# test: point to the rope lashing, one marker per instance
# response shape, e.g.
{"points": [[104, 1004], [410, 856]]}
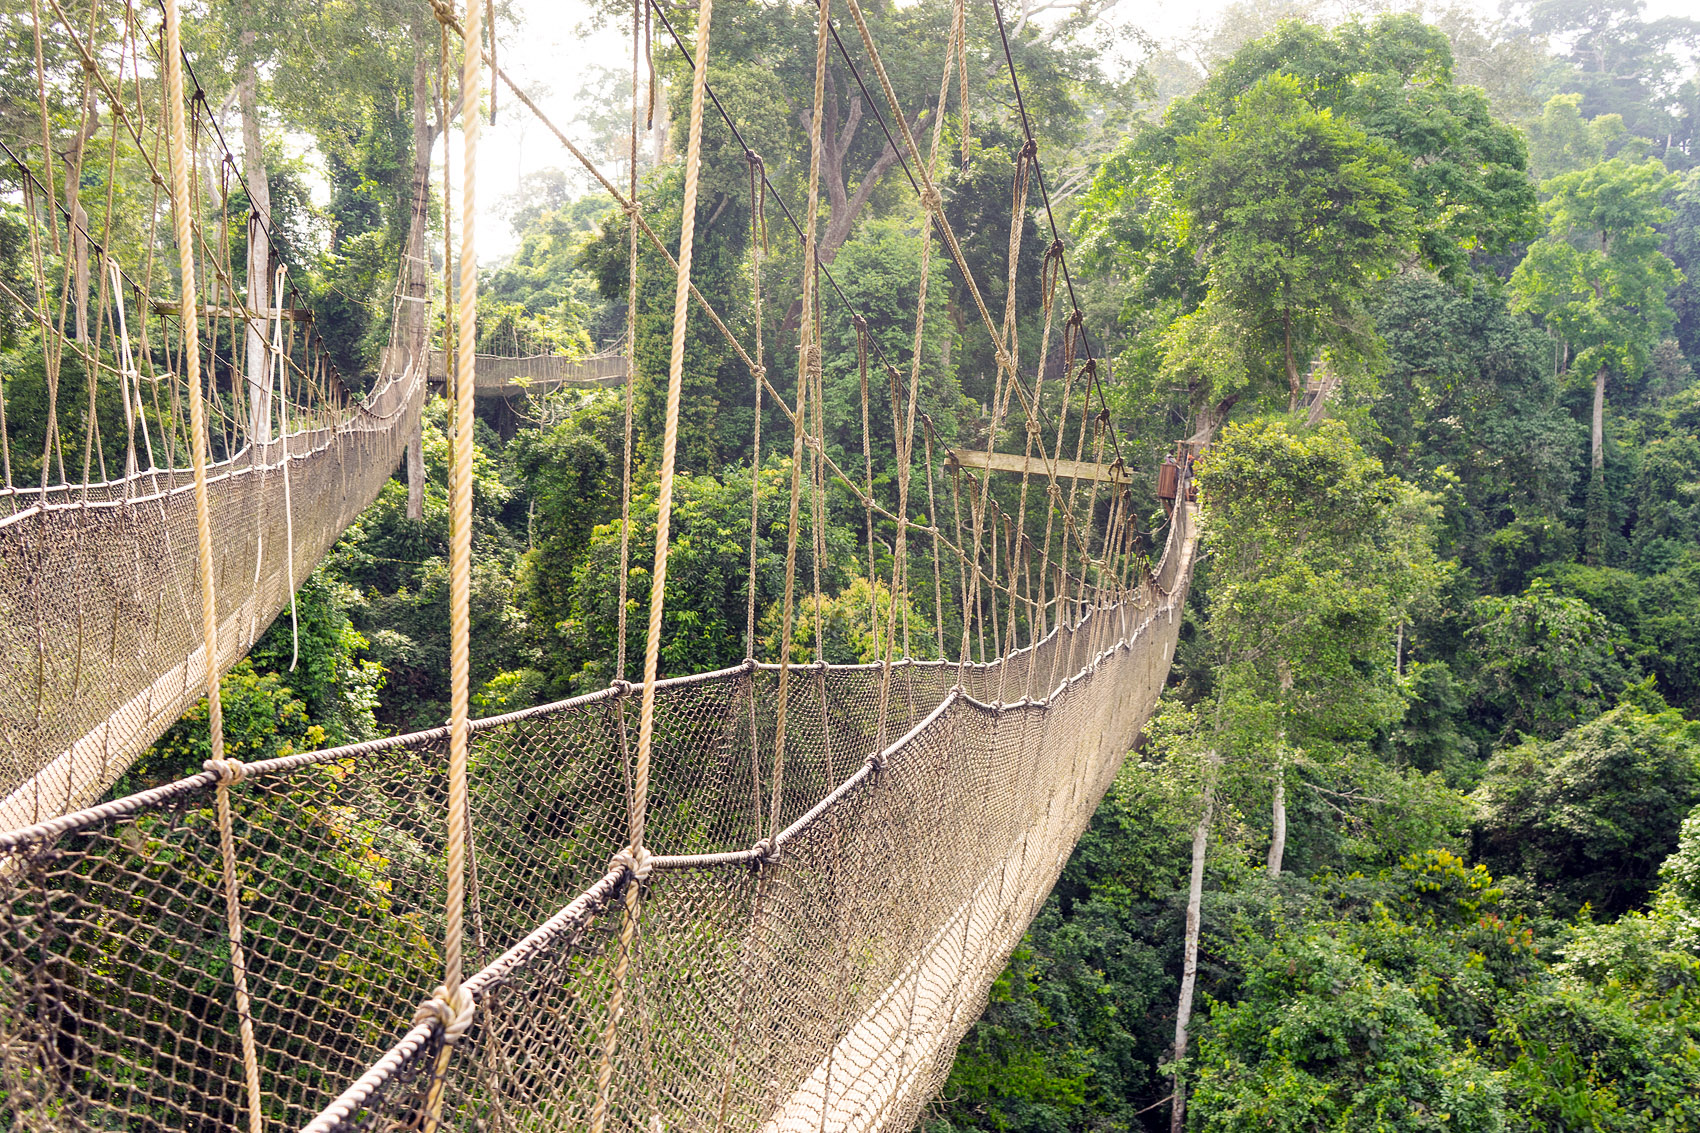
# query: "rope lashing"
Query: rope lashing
{"points": [[229, 771], [453, 1013], [637, 865]]}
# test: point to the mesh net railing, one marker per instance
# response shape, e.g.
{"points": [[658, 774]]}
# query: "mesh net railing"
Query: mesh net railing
{"points": [[829, 974], [100, 621]]}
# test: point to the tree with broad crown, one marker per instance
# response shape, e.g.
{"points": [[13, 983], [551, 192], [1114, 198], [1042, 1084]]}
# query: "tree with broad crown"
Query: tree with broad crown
{"points": [[1599, 284], [1296, 212]]}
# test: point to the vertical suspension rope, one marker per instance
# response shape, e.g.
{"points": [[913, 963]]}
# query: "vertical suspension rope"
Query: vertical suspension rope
{"points": [[228, 771], [460, 545], [807, 354], [631, 897], [452, 1006], [670, 434]]}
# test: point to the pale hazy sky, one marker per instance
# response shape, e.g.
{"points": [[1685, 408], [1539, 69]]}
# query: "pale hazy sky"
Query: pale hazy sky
{"points": [[552, 50]]}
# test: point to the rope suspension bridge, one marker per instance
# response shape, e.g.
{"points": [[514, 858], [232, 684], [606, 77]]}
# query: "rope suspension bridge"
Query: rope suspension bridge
{"points": [[769, 897]]}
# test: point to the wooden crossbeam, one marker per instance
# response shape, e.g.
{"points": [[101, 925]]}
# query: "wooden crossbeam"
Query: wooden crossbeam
{"points": [[1015, 462]]}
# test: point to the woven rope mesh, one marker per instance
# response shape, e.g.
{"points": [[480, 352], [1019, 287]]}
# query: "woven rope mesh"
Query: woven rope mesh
{"points": [[101, 645], [100, 608], [836, 975], [835, 880]]}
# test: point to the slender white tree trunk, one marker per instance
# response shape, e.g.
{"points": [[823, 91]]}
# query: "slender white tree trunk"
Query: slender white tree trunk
{"points": [[1189, 962], [1278, 840], [416, 269], [1597, 435], [259, 255]]}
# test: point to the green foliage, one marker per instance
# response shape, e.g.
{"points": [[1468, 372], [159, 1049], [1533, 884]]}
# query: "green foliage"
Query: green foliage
{"points": [[1543, 662], [1588, 818], [1318, 1038], [263, 719], [1296, 213], [1598, 281]]}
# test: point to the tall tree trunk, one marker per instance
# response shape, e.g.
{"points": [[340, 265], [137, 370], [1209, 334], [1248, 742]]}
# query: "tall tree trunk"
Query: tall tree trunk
{"points": [[1595, 531], [259, 253], [1278, 807], [79, 224], [417, 270], [1295, 387], [1189, 963]]}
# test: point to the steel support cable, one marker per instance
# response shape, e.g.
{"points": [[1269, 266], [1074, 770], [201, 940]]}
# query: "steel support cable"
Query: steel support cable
{"points": [[1029, 407], [897, 113], [98, 246], [1045, 195], [738, 136], [630, 208]]}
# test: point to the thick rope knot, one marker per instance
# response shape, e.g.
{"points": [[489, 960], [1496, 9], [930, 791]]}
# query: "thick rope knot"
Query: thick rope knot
{"points": [[631, 208], [444, 12], [1076, 320], [1029, 150], [638, 865], [763, 852], [620, 687], [860, 323], [454, 1015], [1055, 252], [753, 158], [229, 771], [930, 198]]}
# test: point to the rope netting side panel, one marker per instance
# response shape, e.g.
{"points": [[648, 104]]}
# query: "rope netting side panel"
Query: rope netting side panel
{"points": [[837, 968], [101, 644], [100, 637], [822, 980]]}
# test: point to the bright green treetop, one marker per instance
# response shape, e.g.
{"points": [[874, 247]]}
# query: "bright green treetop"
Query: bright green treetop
{"points": [[1296, 212], [1598, 281]]}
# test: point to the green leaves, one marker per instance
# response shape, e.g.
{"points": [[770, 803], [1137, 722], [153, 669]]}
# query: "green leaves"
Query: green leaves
{"points": [[1316, 555], [1598, 281]]}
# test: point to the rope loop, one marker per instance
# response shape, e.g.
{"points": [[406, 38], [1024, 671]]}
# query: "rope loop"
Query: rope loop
{"points": [[1075, 320], [229, 771], [621, 687], [444, 12], [763, 853], [930, 198], [453, 1014], [638, 866], [860, 323]]}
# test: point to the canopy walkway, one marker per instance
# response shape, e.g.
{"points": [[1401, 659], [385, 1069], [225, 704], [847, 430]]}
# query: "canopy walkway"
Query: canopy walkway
{"points": [[502, 376], [771, 897]]}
